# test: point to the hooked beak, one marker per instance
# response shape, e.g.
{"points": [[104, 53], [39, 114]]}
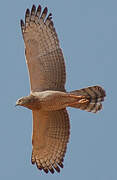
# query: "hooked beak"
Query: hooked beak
{"points": [[17, 104]]}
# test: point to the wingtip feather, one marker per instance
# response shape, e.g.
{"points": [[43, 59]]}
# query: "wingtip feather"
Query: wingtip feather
{"points": [[33, 10]]}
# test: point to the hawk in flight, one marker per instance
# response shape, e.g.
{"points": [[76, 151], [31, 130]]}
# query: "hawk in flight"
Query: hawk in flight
{"points": [[48, 98]]}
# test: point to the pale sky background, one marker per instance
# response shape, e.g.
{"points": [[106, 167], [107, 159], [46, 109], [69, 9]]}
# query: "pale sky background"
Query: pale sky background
{"points": [[87, 31]]}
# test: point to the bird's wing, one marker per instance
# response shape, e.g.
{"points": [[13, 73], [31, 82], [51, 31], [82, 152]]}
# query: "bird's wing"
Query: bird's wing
{"points": [[50, 138], [43, 53]]}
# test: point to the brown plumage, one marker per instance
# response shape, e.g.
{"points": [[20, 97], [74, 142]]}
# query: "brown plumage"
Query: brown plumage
{"points": [[48, 99]]}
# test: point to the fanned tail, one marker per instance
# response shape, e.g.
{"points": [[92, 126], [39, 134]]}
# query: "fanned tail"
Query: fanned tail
{"points": [[92, 98]]}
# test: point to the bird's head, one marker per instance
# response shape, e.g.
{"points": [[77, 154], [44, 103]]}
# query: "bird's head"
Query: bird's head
{"points": [[27, 101]]}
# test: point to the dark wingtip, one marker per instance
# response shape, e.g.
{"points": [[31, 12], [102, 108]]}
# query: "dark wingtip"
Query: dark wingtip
{"points": [[61, 165], [39, 166], [57, 169], [33, 6], [33, 9], [49, 16], [62, 159], [22, 23], [45, 10], [39, 8], [51, 170], [32, 161], [45, 170], [27, 12]]}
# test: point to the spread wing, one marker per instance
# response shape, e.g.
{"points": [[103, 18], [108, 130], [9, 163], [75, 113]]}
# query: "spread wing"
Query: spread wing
{"points": [[43, 54], [50, 137]]}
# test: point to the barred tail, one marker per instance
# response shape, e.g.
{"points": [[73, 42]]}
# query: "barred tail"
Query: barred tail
{"points": [[94, 96]]}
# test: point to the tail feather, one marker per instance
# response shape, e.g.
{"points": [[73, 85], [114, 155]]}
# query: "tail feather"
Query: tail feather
{"points": [[94, 96]]}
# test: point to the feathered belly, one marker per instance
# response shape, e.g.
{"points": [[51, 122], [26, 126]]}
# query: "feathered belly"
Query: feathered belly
{"points": [[58, 100]]}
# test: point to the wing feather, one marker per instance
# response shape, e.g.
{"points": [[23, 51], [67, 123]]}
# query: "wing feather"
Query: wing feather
{"points": [[50, 138], [44, 56]]}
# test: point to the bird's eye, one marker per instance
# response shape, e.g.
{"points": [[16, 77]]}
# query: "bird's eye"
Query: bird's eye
{"points": [[30, 100]]}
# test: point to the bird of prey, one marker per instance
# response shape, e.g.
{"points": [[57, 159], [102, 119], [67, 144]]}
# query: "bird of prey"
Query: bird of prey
{"points": [[48, 97]]}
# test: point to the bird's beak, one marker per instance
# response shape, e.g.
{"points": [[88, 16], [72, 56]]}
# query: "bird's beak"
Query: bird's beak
{"points": [[17, 104]]}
